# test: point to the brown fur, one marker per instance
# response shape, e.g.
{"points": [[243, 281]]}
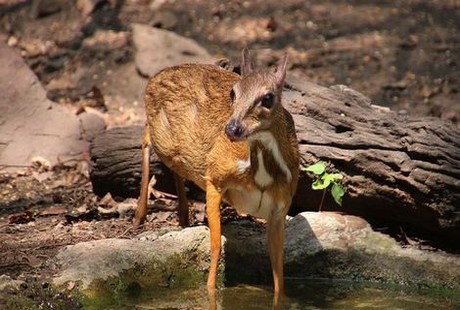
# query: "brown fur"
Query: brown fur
{"points": [[188, 108]]}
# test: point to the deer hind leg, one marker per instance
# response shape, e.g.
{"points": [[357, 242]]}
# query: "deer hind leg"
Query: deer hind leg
{"points": [[141, 211], [213, 200], [183, 211]]}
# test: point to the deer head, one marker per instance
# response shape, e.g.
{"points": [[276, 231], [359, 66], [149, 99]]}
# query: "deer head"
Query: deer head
{"points": [[256, 99]]}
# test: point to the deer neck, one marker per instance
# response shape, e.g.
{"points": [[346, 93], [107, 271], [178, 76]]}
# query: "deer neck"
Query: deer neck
{"points": [[268, 156]]}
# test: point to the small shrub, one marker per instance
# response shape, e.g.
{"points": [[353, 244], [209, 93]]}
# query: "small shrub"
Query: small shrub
{"points": [[325, 180]]}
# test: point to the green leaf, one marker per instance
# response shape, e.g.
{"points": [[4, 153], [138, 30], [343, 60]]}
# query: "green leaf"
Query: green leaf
{"points": [[320, 184], [337, 193], [317, 168], [327, 178], [331, 178], [336, 176]]}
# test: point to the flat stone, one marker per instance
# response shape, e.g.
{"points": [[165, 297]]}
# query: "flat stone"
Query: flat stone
{"points": [[318, 245], [170, 259], [331, 245], [30, 124], [157, 49]]}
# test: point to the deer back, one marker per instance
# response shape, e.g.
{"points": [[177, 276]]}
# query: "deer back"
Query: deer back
{"points": [[187, 107]]}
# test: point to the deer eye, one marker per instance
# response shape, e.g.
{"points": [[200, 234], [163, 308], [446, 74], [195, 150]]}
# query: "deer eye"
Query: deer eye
{"points": [[268, 100]]}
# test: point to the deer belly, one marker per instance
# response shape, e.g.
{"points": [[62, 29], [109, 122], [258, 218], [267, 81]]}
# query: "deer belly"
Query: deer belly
{"points": [[253, 202]]}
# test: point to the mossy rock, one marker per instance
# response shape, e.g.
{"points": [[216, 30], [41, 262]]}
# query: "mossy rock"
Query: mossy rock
{"points": [[104, 270]]}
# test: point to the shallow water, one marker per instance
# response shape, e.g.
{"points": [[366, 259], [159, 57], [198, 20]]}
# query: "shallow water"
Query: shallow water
{"points": [[305, 294]]}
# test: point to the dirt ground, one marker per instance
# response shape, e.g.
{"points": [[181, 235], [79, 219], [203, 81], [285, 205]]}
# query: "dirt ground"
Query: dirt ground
{"points": [[403, 54]]}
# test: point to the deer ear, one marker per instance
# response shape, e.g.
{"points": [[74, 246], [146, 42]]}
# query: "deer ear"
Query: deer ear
{"points": [[246, 65], [280, 71]]}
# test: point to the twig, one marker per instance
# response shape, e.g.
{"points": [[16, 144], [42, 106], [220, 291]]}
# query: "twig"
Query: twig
{"points": [[322, 200], [127, 230], [44, 246]]}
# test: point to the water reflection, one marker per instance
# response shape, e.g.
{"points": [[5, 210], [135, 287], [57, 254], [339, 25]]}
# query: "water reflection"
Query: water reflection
{"points": [[311, 294]]}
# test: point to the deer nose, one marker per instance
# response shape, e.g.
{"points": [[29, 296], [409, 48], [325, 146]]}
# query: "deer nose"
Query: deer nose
{"points": [[234, 130]]}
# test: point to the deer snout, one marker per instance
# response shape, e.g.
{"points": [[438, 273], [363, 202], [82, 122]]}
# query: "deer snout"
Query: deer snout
{"points": [[234, 130]]}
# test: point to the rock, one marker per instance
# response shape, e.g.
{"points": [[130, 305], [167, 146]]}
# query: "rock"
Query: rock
{"points": [[164, 19], [86, 7], [43, 8], [30, 124], [12, 41], [8, 282], [91, 124], [330, 245], [318, 245], [107, 40], [156, 4], [174, 258], [157, 49], [35, 47]]}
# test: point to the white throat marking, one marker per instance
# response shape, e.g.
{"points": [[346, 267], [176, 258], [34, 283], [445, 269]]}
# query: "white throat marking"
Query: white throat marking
{"points": [[269, 141]]}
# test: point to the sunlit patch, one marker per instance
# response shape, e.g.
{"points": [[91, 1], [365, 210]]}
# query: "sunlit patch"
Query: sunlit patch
{"points": [[194, 112], [164, 119]]}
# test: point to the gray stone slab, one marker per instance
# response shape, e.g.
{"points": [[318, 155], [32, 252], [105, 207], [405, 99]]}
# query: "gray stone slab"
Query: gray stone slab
{"points": [[30, 124], [157, 49]]}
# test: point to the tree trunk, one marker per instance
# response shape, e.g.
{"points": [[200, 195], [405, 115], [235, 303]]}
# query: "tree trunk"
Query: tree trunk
{"points": [[116, 158], [399, 171]]}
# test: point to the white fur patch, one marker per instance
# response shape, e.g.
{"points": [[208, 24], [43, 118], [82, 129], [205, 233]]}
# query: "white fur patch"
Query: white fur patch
{"points": [[254, 202], [243, 165], [269, 141], [262, 177]]}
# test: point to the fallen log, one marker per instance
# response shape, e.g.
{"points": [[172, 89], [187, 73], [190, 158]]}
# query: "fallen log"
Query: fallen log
{"points": [[399, 170]]}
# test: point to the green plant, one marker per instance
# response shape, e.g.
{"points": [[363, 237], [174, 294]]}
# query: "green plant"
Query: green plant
{"points": [[324, 180]]}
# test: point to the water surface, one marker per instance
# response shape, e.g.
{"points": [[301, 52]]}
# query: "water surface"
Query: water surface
{"points": [[305, 294]]}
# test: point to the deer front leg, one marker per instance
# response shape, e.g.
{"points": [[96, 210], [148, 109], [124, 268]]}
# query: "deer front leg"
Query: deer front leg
{"points": [[141, 211], [213, 200], [275, 241]]}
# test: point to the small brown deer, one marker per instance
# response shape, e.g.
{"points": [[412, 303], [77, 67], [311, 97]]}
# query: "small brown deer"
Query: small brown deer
{"points": [[231, 136]]}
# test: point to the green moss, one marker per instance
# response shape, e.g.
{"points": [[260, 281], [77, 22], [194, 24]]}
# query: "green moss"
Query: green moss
{"points": [[382, 267], [37, 294], [149, 280]]}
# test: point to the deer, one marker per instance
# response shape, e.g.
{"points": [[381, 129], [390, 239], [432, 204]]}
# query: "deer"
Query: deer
{"points": [[230, 135]]}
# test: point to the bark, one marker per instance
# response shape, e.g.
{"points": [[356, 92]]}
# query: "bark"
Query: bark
{"points": [[116, 164], [399, 170]]}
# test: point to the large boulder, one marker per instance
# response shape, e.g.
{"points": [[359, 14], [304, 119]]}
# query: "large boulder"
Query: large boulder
{"points": [[157, 49], [335, 246], [31, 126], [318, 245], [176, 258]]}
